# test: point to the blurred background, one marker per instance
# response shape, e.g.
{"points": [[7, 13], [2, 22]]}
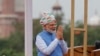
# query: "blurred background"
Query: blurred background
{"points": [[12, 27], [62, 11]]}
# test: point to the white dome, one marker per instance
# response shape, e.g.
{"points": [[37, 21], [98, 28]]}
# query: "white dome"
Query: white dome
{"points": [[95, 20]]}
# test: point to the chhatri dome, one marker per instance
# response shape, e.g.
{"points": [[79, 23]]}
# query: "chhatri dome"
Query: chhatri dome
{"points": [[57, 6], [94, 20]]}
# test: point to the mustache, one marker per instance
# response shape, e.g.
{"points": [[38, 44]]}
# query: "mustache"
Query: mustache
{"points": [[54, 29]]}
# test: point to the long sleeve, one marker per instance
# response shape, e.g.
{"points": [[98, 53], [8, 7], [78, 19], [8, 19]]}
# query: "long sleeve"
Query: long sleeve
{"points": [[63, 46], [41, 45]]}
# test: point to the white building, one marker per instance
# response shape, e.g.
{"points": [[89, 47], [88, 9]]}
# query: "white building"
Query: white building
{"points": [[94, 20]]}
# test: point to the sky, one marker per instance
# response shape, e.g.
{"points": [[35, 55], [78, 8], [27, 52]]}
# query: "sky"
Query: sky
{"points": [[46, 5]]}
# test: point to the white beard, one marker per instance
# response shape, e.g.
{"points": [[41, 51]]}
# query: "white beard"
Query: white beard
{"points": [[51, 31]]}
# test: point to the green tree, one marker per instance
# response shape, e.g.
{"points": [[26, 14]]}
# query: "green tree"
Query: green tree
{"points": [[36, 29]]}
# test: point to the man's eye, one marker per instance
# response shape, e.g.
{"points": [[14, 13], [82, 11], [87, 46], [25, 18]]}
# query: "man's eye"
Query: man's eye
{"points": [[53, 25]]}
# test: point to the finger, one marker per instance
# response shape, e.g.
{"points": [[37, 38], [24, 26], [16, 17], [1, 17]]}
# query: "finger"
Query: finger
{"points": [[60, 28]]}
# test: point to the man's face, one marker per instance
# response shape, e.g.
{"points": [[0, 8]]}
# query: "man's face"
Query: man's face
{"points": [[51, 27]]}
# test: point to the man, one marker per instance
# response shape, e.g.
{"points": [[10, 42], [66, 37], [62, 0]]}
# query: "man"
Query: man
{"points": [[50, 41]]}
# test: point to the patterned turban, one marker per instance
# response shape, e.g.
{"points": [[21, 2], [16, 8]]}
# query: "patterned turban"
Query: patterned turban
{"points": [[47, 18]]}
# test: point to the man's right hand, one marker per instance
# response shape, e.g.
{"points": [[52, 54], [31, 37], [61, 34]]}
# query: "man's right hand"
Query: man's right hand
{"points": [[59, 33]]}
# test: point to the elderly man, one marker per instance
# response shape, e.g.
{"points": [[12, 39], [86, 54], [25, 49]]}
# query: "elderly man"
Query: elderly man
{"points": [[50, 41]]}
